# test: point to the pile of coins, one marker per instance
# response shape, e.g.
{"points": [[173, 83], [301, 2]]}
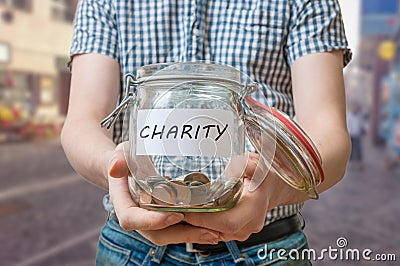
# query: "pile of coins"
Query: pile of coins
{"points": [[194, 190]]}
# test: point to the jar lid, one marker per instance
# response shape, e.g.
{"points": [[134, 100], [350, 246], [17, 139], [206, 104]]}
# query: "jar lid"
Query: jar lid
{"points": [[296, 159]]}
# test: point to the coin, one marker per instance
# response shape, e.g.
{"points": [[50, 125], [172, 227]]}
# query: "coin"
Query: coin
{"points": [[196, 176], [194, 189], [183, 193], [163, 193], [230, 190], [199, 192], [143, 185], [180, 178], [152, 180], [216, 189]]}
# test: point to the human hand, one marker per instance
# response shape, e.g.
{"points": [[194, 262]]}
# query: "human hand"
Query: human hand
{"points": [[238, 223], [161, 228], [248, 216]]}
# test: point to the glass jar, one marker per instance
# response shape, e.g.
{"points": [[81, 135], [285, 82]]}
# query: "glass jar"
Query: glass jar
{"points": [[186, 139]]}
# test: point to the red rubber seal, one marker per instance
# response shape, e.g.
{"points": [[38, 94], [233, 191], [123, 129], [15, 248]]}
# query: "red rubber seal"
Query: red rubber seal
{"points": [[294, 129]]}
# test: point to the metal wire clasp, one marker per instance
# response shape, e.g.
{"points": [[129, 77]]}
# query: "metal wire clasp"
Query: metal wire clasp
{"points": [[129, 97], [248, 89], [313, 192]]}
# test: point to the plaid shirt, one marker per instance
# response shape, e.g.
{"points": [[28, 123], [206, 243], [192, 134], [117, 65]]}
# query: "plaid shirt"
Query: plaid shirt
{"points": [[260, 38]]}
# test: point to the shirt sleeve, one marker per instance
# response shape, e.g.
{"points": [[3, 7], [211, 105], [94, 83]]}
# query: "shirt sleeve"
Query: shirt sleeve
{"points": [[316, 26], [95, 29]]}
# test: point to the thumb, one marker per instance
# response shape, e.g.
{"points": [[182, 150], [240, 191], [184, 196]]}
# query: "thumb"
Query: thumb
{"points": [[259, 174], [117, 166]]}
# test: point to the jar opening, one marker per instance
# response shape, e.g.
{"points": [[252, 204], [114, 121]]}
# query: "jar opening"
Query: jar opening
{"points": [[192, 69]]}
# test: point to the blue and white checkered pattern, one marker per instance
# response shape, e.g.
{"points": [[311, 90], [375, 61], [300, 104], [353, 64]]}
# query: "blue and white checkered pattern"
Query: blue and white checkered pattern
{"points": [[260, 38]]}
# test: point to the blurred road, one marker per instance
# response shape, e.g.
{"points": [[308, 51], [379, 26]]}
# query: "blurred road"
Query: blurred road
{"points": [[363, 209], [50, 216]]}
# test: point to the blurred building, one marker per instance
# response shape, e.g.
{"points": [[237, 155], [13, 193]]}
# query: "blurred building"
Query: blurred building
{"points": [[35, 37], [380, 22], [359, 87]]}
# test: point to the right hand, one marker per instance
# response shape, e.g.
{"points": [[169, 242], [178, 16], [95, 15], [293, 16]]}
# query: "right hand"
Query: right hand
{"points": [[161, 228]]}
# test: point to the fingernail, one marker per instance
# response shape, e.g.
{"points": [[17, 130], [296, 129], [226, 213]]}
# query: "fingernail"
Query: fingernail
{"points": [[111, 167], [118, 168], [173, 219]]}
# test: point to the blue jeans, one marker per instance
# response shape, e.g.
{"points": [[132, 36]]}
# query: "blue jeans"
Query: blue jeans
{"points": [[119, 247]]}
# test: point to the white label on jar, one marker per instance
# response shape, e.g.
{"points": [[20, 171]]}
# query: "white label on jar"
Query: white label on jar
{"points": [[185, 132]]}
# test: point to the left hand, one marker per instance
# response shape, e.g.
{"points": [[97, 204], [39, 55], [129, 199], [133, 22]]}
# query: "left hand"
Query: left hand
{"points": [[238, 223], [248, 216]]}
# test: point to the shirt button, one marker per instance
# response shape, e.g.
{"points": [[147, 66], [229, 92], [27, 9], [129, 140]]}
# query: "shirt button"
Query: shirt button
{"points": [[196, 32]]}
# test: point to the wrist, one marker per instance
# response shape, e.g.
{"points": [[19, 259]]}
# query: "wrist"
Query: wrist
{"points": [[103, 161], [280, 193]]}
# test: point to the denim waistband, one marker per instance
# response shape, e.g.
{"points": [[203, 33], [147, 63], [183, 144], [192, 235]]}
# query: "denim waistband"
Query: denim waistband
{"points": [[134, 247]]}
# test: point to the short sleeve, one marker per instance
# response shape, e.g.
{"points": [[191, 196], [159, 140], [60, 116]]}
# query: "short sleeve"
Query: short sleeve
{"points": [[95, 29], [316, 26]]}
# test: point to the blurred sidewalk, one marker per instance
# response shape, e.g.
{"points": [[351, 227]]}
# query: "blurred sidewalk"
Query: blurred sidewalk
{"points": [[48, 214], [363, 208], [25, 162]]}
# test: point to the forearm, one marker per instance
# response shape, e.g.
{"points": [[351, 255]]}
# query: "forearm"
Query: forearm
{"points": [[95, 87], [319, 99], [334, 146], [320, 104], [88, 149]]}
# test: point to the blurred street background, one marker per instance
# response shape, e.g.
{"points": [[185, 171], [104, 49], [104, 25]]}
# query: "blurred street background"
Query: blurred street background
{"points": [[51, 216]]}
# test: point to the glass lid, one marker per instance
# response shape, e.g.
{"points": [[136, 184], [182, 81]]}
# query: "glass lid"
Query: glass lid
{"points": [[296, 160]]}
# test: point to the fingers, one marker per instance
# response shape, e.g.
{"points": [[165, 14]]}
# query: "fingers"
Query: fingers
{"points": [[236, 166], [246, 217], [181, 233], [224, 222], [141, 219], [243, 165], [251, 165], [164, 227], [132, 217], [242, 235], [159, 227], [129, 215], [260, 172], [255, 168]]}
